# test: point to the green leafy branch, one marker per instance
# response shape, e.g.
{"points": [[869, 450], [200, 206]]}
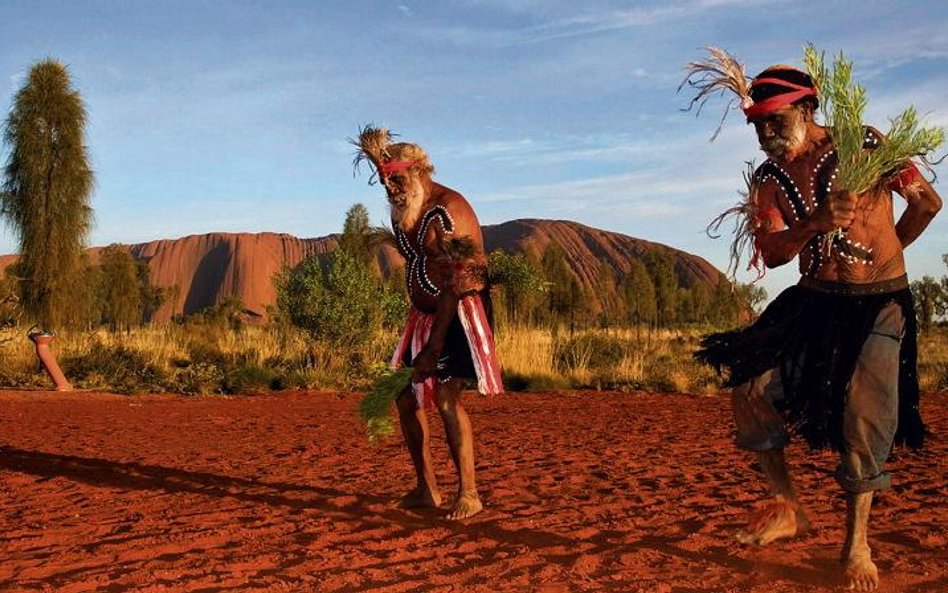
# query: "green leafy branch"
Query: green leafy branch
{"points": [[375, 409], [843, 104]]}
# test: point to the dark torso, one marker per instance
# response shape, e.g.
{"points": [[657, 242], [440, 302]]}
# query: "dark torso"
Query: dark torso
{"points": [[423, 278], [868, 251]]}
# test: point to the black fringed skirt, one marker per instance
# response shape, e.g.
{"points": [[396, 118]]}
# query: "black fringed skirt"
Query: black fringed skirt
{"points": [[813, 333]]}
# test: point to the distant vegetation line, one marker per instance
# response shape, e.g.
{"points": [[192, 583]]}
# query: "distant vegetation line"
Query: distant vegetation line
{"points": [[336, 319]]}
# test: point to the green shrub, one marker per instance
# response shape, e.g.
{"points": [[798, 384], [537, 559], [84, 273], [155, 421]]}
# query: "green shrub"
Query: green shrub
{"points": [[116, 368], [337, 300], [588, 351], [249, 378], [200, 378]]}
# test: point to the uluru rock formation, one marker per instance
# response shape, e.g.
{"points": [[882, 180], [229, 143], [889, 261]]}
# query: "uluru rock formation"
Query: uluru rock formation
{"points": [[206, 269]]}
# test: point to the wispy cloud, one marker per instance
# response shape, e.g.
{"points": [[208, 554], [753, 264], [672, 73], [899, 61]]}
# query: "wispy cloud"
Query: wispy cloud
{"points": [[651, 194], [586, 23]]}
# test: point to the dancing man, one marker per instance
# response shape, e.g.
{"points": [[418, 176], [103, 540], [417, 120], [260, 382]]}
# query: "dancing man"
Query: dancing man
{"points": [[448, 336], [832, 357]]}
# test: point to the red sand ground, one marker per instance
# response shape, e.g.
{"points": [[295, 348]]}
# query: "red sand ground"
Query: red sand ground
{"points": [[583, 492]]}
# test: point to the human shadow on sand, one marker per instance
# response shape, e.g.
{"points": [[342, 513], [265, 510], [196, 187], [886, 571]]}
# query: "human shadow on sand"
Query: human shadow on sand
{"points": [[367, 510], [130, 475], [372, 511]]}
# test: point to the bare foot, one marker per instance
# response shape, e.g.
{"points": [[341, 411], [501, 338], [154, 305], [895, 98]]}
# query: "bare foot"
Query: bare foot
{"points": [[778, 518], [861, 574], [467, 505], [421, 497]]}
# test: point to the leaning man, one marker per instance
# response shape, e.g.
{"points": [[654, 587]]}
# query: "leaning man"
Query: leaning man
{"points": [[834, 356], [448, 336]]}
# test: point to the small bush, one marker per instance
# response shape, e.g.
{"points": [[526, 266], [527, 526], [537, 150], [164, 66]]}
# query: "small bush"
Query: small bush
{"points": [[116, 368], [295, 379], [23, 377], [588, 351], [248, 378], [200, 378], [933, 377]]}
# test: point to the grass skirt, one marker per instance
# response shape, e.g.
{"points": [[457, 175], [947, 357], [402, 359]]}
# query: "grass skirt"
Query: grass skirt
{"points": [[815, 339]]}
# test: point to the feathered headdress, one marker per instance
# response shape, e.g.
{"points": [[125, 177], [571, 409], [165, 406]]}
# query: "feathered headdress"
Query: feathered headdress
{"points": [[375, 145], [718, 74]]}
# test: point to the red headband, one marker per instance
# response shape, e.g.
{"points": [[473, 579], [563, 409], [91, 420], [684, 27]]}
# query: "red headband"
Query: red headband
{"points": [[389, 167], [777, 101]]}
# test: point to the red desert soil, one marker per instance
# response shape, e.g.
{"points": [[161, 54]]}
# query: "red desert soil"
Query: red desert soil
{"points": [[583, 492]]}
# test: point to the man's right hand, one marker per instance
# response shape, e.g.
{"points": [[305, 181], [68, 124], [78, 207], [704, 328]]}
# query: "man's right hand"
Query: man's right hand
{"points": [[424, 365], [837, 212]]}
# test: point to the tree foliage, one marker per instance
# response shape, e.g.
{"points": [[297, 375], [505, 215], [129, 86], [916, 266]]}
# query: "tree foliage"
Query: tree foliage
{"points": [[46, 190], [337, 300], [639, 293], [151, 297], [517, 280], [931, 300], [661, 267], [356, 238], [565, 298], [121, 290]]}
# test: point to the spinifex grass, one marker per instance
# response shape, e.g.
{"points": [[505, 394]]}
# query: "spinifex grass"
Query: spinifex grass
{"points": [[375, 409], [843, 103]]}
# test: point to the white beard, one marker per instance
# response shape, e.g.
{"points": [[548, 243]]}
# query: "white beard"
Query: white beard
{"points": [[406, 207], [780, 146]]}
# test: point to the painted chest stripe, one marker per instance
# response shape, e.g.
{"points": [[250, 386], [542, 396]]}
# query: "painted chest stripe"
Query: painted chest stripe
{"points": [[414, 251]]}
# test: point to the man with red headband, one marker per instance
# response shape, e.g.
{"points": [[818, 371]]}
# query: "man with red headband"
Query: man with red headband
{"points": [[448, 336], [832, 357]]}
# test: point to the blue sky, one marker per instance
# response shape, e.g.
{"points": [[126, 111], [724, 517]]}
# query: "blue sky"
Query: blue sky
{"points": [[233, 116]]}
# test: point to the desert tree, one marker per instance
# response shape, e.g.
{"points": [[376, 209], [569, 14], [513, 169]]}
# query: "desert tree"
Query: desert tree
{"points": [[363, 241], [750, 297], [565, 295], [152, 297], [121, 290], [356, 238], [641, 303], [725, 307], [337, 300], [701, 301], [46, 190], [661, 267], [517, 280], [931, 301]]}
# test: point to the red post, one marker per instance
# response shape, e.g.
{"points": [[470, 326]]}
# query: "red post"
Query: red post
{"points": [[42, 340]]}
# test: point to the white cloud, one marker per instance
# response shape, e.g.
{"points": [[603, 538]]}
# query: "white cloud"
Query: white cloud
{"points": [[550, 27], [646, 194]]}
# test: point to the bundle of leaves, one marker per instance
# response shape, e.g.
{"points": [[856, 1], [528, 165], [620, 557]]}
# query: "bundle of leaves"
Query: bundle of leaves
{"points": [[843, 104], [375, 409]]}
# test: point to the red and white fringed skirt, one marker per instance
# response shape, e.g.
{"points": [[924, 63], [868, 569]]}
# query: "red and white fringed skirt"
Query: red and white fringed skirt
{"points": [[480, 340]]}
